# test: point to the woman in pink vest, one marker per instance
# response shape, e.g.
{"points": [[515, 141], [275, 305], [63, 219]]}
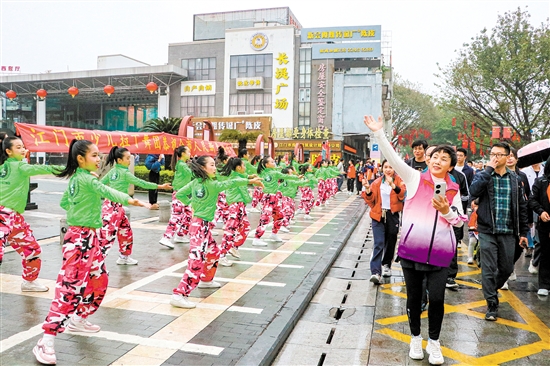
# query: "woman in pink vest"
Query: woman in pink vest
{"points": [[427, 243]]}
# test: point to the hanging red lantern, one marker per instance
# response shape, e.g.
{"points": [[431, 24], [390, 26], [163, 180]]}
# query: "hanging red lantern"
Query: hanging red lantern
{"points": [[473, 146], [109, 89], [495, 132], [465, 142], [459, 136], [11, 94], [400, 140], [473, 128], [454, 121], [73, 91], [506, 132], [478, 132], [41, 93], [465, 125], [152, 87]]}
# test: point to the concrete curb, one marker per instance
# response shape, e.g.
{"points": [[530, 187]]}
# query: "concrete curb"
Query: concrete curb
{"points": [[267, 346]]}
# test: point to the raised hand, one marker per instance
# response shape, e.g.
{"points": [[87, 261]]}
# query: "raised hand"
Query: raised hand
{"points": [[372, 124], [165, 186], [135, 202]]}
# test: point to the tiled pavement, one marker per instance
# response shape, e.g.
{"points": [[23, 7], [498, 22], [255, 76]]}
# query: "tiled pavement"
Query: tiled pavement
{"points": [[241, 323]]}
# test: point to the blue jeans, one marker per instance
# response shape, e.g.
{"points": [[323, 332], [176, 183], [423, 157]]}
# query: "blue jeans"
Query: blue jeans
{"points": [[340, 181], [385, 236]]}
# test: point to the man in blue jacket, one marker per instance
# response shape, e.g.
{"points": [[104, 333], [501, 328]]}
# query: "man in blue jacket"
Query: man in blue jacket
{"points": [[154, 162], [502, 217]]}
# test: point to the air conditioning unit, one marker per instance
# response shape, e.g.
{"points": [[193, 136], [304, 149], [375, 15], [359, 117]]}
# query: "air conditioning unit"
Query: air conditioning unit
{"points": [[241, 113], [259, 112]]}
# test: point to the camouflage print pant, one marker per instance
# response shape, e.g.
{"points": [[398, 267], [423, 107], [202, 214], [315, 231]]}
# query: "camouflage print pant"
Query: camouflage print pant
{"points": [[288, 208], [204, 253], [271, 206], [115, 226], [321, 192], [236, 227], [81, 282], [180, 219], [257, 196], [333, 186], [222, 208], [307, 200], [17, 233]]}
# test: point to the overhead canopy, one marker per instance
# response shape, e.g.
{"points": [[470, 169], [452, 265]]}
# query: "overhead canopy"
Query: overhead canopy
{"points": [[90, 83]]}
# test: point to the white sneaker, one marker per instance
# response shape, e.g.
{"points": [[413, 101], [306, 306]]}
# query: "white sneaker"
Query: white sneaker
{"points": [[532, 269], [181, 301], [320, 207], [234, 252], [375, 278], [259, 243], [33, 286], [166, 242], [225, 262], [209, 284], [274, 237], [386, 271], [181, 239], [82, 325], [415, 351], [126, 260], [542, 292], [292, 221], [284, 229], [253, 209], [300, 211], [470, 260], [44, 352], [513, 277], [215, 233], [459, 245], [308, 217], [434, 350], [505, 286]]}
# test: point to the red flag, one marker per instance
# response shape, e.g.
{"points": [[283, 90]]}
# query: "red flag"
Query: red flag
{"points": [[465, 143], [473, 146], [454, 121], [495, 132], [506, 132]]}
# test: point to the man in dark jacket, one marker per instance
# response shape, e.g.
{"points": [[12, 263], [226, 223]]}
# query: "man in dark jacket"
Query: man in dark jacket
{"points": [[502, 216], [154, 162]]}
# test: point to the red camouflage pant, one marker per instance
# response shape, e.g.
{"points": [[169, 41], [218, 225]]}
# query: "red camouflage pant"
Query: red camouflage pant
{"points": [[322, 192], [222, 208], [82, 281], [204, 253], [307, 200], [180, 218], [236, 227], [271, 206], [257, 196], [333, 186], [15, 231], [115, 226], [288, 208]]}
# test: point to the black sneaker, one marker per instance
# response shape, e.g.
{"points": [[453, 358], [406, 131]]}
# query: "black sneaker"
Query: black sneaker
{"points": [[492, 312], [451, 283]]}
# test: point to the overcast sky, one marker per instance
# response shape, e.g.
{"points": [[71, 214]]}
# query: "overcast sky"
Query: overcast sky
{"points": [[69, 35]]}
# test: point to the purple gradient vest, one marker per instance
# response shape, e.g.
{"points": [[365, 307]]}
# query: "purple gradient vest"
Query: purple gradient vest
{"points": [[426, 237]]}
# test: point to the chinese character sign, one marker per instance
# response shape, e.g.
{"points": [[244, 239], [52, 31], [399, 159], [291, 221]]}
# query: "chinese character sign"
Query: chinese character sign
{"points": [[57, 139], [10, 68], [321, 95]]}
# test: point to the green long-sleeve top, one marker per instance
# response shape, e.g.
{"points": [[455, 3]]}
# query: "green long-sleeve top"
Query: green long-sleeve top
{"points": [[82, 199], [120, 178], [321, 173], [271, 177], [289, 188], [311, 180], [14, 182], [204, 195], [238, 193], [250, 169], [333, 171], [182, 176]]}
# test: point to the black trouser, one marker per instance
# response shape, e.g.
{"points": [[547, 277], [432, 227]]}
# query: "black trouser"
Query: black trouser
{"points": [[359, 184], [436, 287], [497, 263], [350, 184], [453, 267], [154, 177]]}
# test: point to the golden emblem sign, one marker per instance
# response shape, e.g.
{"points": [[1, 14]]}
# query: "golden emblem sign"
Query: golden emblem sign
{"points": [[258, 41]]}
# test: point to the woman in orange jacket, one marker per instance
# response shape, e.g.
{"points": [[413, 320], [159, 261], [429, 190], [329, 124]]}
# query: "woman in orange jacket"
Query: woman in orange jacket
{"points": [[385, 197], [351, 176]]}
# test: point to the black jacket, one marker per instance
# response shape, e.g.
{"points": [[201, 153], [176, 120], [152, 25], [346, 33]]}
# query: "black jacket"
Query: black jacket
{"points": [[482, 190], [539, 201]]}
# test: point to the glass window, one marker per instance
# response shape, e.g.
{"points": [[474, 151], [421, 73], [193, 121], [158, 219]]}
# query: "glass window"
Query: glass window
{"points": [[200, 68], [184, 64], [251, 66], [249, 103], [198, 105]]}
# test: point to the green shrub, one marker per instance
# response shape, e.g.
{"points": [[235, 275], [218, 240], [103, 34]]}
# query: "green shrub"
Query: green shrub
{"points": [[166, 176]]}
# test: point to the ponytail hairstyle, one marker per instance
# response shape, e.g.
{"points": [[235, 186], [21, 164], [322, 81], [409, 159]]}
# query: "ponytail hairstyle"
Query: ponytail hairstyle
{"points": [[221, 158], [231, 165], [303, 169], [178, 151], [7, 143], [285, 171], [278, 161], [255, 159], [76, 148], [197, 167], [262, 163], [242, 153], [115, 154]]}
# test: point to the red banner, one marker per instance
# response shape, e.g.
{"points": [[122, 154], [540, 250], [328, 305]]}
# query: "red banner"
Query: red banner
{"points": [[57, 139], [506, 132], [495, 134]]}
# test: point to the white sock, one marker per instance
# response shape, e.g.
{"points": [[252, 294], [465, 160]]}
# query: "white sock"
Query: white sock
{"points": [[176, 296], [49, 338], [123, 256], [77, 318]]}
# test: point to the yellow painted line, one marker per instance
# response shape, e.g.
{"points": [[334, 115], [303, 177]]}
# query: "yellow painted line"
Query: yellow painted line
{"points": [[511, 354]]}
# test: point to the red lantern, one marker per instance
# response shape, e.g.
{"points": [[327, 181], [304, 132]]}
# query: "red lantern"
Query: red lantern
{"points": [[454, 121], [473, 146], [495, 132], [109, 89], [506, 132], [465, 142], [11, 94], [152, 87], [73, 91], [41, 93]]}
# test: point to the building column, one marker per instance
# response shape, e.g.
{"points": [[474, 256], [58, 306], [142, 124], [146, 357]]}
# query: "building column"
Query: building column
{"points": [[163, 106], [41, 121]]}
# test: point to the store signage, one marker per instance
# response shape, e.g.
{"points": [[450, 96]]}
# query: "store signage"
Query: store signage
{"points": [[307, 144], [256, 82], [335, 34], [346, 50], [203, 87], [321, 94], [350, 149], [301, 133], [258, 41], [10, 68], [242, 124], [282, 77]]}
